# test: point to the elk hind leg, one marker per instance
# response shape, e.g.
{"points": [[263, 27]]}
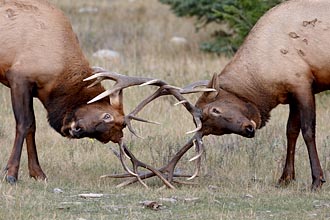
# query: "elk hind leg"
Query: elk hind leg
{"points": [[292, 133]]}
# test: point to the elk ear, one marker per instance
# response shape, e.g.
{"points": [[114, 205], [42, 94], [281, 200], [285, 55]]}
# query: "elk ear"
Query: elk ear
{"points": [[214, 85], [208, 97], [214, 81], [116, 100]]}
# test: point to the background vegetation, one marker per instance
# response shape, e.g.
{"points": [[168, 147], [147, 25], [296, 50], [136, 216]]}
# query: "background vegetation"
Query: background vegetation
{"points": [[234, 19], [238, 176]]}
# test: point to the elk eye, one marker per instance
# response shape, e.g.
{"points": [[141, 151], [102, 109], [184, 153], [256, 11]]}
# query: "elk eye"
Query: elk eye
{"points": [[215, 111], [107, 117]]}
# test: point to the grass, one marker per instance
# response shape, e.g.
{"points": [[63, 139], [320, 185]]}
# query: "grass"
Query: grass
{"points": [[238, 175]]}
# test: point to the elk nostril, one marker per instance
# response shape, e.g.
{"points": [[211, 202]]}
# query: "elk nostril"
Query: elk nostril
{"points": [[250, 129], [76, 129]]}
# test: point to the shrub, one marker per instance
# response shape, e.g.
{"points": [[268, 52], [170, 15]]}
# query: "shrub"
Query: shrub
{"points": [[235, 19]]}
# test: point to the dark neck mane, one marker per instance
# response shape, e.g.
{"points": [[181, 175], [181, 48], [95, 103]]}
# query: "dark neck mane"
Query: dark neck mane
{"points": [[70, 93]]}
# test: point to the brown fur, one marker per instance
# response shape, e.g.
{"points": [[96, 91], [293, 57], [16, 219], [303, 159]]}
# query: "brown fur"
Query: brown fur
{"points": [[284, 60], [40, 57]]}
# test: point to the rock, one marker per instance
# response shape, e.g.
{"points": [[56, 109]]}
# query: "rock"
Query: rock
{"points": [[57, 190], [91, 195], [88, 10], [179, 40], [110, 55]]}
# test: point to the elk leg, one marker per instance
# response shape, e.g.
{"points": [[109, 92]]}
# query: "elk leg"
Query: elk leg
{"points": [[21, 97], [22, 104], [306, 105], [292, 133], [35, 170]]}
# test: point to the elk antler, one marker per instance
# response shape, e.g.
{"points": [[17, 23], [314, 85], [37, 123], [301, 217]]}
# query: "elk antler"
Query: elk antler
{"points": [[123, 81], [165, 89], [168, 169], [136, 164], [177, 93]]}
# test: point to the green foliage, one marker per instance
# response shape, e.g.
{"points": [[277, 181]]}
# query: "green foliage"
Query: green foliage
{"points": [[235, 19]]}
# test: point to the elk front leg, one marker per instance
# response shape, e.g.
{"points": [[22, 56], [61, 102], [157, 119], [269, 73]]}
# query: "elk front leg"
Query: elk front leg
{"points": [[292, 133], [35, 170], [306, 106], [22, 104]]}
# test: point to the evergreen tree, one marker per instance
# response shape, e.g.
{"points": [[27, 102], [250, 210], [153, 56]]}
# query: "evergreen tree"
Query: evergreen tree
{"points": [[235, 19]]}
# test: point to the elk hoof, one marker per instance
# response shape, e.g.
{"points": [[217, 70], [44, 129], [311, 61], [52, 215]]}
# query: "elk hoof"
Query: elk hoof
{"points": [[40, 176], [317, 184], [11, 180], [284, 181]]}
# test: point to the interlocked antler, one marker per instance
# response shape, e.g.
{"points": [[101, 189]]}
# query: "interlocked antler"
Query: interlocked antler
{"points": [[122, 82], [168, 169], [177, 93], [136, 164]]}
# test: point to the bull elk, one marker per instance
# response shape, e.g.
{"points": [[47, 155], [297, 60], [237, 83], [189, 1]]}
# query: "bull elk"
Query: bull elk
{"points": [[40, 57], [285, 59]]}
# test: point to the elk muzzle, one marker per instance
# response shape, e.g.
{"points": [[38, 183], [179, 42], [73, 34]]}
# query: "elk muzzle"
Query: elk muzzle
{"points": [[248, 129]]}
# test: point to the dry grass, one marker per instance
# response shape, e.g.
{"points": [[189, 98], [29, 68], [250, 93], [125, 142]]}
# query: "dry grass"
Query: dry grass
{"points": [[238, 176]]}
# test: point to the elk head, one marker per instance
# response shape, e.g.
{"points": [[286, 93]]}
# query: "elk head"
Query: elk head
{"points": [[101, 120], [225, 113], [103, 117]]}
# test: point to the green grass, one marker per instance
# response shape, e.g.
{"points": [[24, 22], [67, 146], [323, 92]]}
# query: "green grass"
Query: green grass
{"points": [[238, 176]]}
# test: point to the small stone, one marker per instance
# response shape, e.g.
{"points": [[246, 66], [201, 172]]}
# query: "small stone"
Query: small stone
{"points": [[110, 55], [248, 196], [88, 10], [179, 40], [91, 195], [57, 190], [192, 199]]}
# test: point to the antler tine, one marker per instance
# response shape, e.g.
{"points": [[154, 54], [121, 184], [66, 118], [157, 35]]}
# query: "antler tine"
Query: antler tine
{"points": [[123, 150], [195, 87], [198, 125], [200, 150], [194, 111], [122, 160], [128, 118], [132, 115], [167, 90], [169, 168], [103, 94], [136, 163], [122, 81]]}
